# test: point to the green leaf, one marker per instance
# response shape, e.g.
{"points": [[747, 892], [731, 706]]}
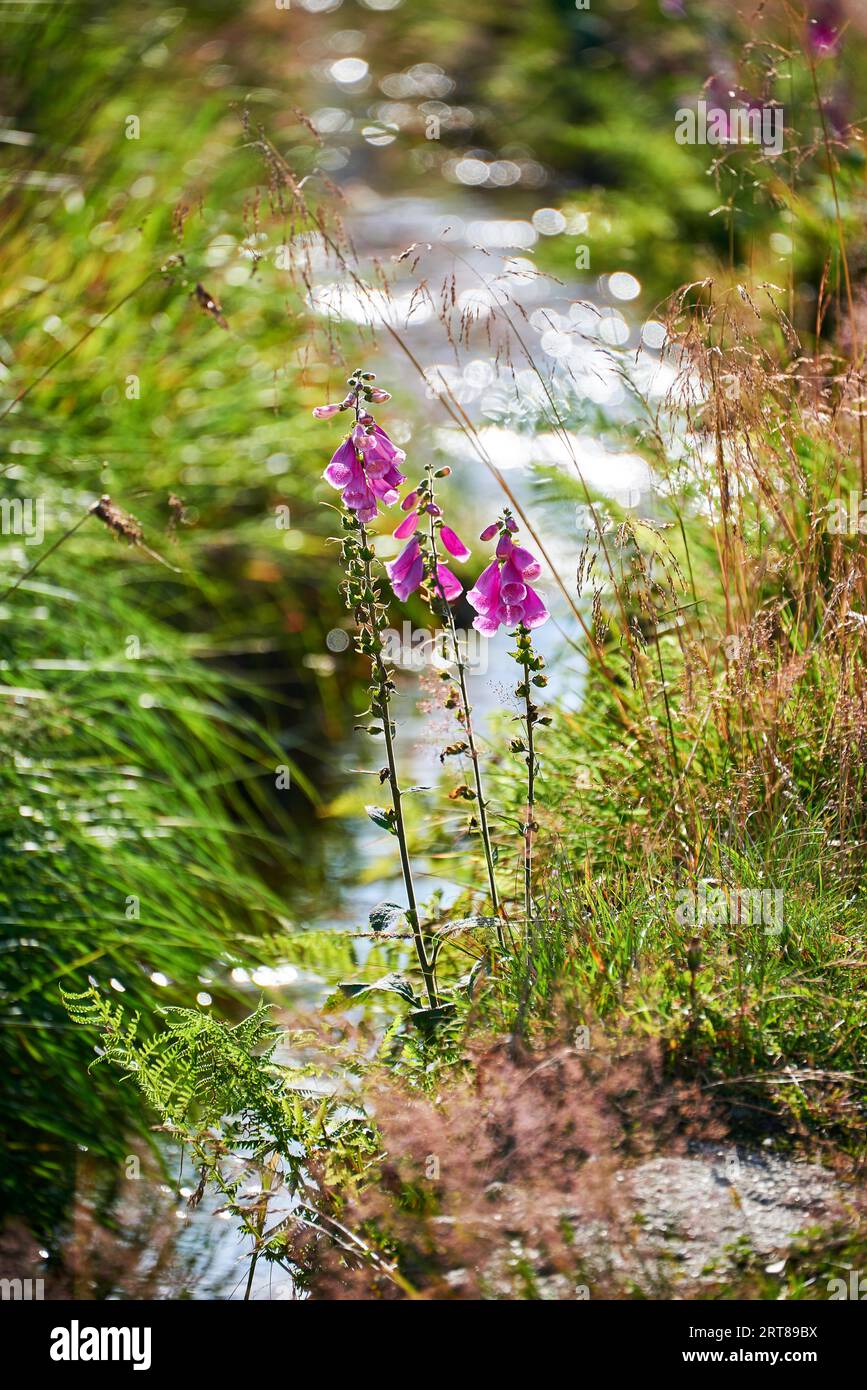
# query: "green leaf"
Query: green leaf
{"points": [[471, 981], [427, 1019], [382, 817], [385, 915], [393, 983], [463, 926]]}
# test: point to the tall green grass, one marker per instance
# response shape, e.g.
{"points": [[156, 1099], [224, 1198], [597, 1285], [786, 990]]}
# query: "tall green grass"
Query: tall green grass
{"points": [[148, 837]]}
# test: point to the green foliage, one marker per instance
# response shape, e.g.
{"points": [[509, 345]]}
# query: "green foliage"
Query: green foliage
{"points": [[199, 1068], [383, 817], [254, 1128], [385, 916], [386, 984], [145, 707], [158, 351]]}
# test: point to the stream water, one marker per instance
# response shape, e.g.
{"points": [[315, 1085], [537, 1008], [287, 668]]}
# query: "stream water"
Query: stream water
{"points": [[573, 347]]}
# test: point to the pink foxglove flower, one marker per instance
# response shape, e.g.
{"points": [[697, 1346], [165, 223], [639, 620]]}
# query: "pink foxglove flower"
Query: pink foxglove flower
{"points": [[453, 543], [365, 466], [502, 596], [325, 412], [407, 527], [407, 571], [365, 469], [448, 583], [418, 561]]}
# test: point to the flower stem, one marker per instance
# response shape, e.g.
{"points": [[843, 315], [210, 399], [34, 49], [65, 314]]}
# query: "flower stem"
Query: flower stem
{"points": [[381, 708], [532, 665], [471, 740], [531, 798]]}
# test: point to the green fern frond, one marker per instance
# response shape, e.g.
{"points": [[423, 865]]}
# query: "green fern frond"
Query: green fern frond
{"points": [[199, 1069]]}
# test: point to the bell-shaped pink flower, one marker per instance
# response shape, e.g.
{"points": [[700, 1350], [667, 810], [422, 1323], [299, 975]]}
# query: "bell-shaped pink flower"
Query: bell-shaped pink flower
{"points": [[448, 583], [376, 446], [325, 412], [524, 562], [485, 594], [534, 611], [407, 571], [343, 466], [487, 625], [512, 587], [360, 499], [386, 488], [453, 543], [406, 527], [366, 475], [502, 596]]}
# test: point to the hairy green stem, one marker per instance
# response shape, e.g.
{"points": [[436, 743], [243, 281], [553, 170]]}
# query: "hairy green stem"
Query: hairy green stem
{"points": [[531, 665], [471, 741], [383, 711], [531, 798]]}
